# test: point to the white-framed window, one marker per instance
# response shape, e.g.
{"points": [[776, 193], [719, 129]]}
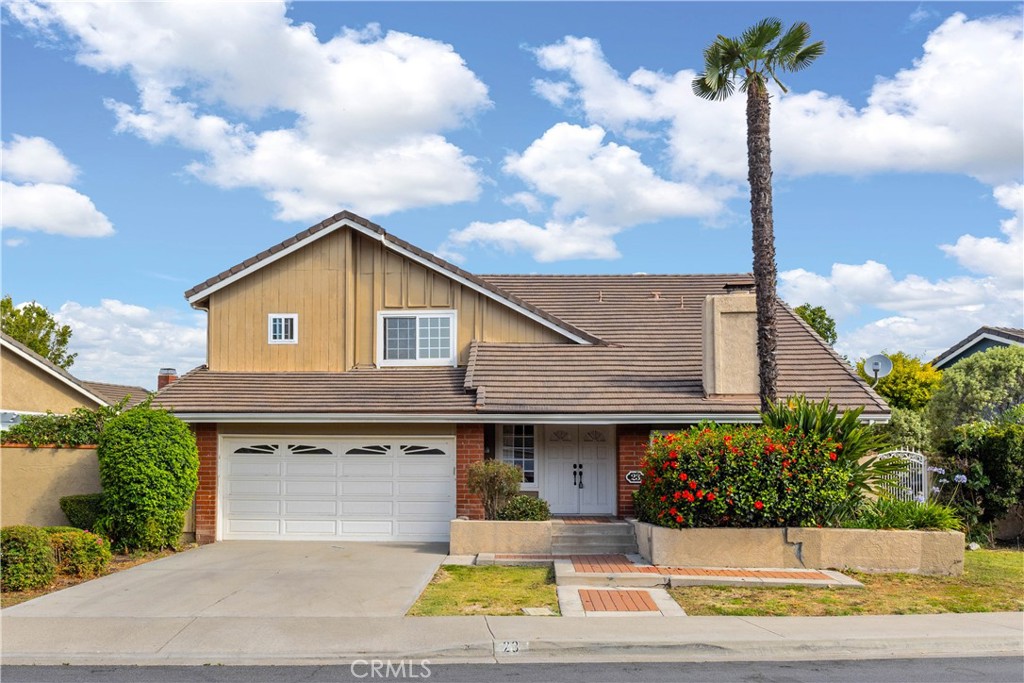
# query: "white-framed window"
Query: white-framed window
{"points": [[283, 328], [517, 446], [416, 338]]}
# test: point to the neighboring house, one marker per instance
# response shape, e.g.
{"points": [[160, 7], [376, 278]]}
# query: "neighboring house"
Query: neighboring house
{"points": [[353, 378], [982, 339], [32, 385]]}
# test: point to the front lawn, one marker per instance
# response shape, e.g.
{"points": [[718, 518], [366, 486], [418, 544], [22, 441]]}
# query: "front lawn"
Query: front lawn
{"points": [[493, 591], [118, 563], [993, 581]]}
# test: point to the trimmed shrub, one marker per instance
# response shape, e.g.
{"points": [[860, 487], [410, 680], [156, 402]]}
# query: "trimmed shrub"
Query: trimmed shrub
{"points": [[82, 511], [81, 426], [991, 457], [494, 481], [713, 475], [149, 467], [79, 553], [525, 509], [905, 514], [26, 559]]}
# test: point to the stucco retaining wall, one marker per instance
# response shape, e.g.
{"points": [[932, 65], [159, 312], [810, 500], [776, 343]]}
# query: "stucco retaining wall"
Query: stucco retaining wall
{"points": [[474, 536], [914, 552], [35, 479]]}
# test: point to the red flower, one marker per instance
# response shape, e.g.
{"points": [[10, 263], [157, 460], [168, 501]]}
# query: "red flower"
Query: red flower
{"points": [[672, 455], [711, 497], [677, 495], [673, 511], [679, 519], [687, 496], [758, 505], [700, 493], [664, 498], [831, 456], [682, 476], [693, 484]]}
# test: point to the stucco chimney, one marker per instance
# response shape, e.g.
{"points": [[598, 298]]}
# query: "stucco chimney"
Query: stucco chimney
{"points": [[730, 342], [166, 376]]}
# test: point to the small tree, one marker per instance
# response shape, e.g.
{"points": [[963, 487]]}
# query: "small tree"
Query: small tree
{"points": [[33, 326], [820, 321], [149, 470], [495, 482], [981, 387], [911, 383]]}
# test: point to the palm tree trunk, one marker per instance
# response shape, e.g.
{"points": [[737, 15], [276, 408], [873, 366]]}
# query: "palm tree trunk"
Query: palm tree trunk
{"points": [[759, 163]]}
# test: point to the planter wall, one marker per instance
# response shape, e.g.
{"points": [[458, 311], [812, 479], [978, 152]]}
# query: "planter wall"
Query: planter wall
{"points": [[914, 552], [474, 536]]}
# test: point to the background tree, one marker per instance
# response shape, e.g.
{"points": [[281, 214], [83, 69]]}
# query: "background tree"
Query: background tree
{"points": [[752, 59], [33, 326], [985, 386], [909, 386], [820, 321]]}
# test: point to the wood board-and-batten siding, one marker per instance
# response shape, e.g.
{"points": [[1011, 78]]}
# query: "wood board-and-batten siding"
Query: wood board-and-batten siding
{"points": [[336, 285]]}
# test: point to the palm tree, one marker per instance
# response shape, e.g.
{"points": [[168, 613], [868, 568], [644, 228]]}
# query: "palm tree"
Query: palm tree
{"points": [[759, 54]]}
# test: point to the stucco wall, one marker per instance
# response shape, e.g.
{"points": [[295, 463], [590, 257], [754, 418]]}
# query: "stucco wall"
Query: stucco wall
{"points": [[24, 387], [34, 480], [472, 537]]}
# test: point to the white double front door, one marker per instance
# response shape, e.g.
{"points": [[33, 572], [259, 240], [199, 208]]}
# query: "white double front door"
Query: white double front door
{"points": [[578, 469]]}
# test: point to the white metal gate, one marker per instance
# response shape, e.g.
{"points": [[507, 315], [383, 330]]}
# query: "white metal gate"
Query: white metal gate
{"points": [[911, 483]]}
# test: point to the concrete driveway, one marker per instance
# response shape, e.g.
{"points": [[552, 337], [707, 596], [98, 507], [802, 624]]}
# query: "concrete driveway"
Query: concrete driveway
{"points": [[256, 579]]}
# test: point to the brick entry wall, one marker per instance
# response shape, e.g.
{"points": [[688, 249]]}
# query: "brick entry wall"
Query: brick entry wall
{"points": [[469, 448], [206, 494], [632, 444]]}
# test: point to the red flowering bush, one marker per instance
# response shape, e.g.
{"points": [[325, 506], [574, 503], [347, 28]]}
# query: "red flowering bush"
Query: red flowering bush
{"points": [[742, 476]]}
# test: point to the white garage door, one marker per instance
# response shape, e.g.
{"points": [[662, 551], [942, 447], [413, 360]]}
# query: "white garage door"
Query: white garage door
{"points": [[373, 489]]}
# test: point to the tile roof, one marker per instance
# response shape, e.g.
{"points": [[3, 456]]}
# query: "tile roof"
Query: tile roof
{"points": [[50, 367], [651, 363], [440, 263], [385, 390], [112, 393], [1010, 334]]}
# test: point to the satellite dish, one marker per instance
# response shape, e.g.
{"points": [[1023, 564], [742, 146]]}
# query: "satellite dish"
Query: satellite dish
{"points": [[878, 366]]}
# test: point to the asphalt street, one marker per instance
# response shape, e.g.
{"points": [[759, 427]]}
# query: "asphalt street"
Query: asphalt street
{"points": [[928, 670]]}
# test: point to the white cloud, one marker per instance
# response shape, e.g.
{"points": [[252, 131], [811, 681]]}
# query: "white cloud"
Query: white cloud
{"points": [[36, 160], [957, 109], [13, 242], [599, 189], [923, 316], [368, 108], [54, 209], [128, 344]]}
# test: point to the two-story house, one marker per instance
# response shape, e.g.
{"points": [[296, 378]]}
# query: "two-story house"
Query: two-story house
{"points": [[352, 378]]}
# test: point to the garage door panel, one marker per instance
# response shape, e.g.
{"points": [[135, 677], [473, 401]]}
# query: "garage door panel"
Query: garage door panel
{"points": [[254, 487], [327, 508], [255, 468], [348, 488], [299, 468], [324, 527], [311, 488], [255, 506]]}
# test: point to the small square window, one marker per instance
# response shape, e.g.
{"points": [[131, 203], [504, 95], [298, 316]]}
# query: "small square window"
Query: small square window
{"points": [[283, 328], [417, 338]]}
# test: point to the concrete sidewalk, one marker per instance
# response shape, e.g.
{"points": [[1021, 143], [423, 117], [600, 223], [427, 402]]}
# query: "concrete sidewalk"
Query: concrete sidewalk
{"points": [[316, 640]]}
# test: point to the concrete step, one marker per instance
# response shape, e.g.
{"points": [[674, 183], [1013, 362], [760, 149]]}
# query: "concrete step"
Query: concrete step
{"points": [[591, 529], [593, 549]]}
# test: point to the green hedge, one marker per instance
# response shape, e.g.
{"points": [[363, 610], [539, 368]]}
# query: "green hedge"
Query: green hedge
{"points": [[149, 467], [79, 553], [26, 558], [525, 509], [82, 511]]}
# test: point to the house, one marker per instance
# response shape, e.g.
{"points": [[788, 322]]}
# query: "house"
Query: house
{"points": [[32, 385], [352, 378], [982, 339]]}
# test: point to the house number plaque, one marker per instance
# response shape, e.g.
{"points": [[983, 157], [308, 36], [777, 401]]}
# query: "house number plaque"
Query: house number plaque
{"points": [[634, 477]]}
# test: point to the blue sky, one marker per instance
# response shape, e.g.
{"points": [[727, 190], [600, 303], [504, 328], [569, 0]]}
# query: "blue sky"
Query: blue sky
{"points": [[149, 146]]}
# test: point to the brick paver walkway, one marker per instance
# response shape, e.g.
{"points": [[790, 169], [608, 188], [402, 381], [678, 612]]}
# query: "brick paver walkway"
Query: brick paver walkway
{"points": [[596, 600], [620, 564]]}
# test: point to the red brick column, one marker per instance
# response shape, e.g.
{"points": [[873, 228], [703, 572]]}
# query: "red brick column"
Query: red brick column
{"points": [[206, 494], [632, 444], [469, 448]]}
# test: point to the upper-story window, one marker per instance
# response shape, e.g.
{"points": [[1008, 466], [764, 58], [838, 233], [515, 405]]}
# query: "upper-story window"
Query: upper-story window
{"points": [[416, 338], [283, 328]]}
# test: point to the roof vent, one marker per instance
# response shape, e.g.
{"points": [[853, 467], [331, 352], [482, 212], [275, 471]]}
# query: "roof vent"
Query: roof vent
{"points": [[738, 287]]}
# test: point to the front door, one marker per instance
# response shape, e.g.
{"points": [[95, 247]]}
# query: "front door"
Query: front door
{"points": [[578, 466]]}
